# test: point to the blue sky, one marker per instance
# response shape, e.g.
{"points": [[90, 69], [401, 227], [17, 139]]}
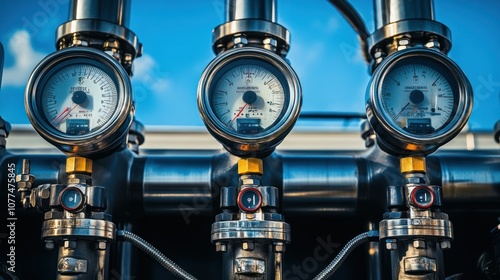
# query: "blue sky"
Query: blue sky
{"points": [[177, 47]]}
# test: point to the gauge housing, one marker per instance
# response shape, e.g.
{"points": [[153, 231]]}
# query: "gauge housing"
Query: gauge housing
{"points": [[263, 141], [108, 136], [390, 135]]}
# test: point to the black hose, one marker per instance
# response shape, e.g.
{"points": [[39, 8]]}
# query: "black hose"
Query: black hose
{"points": [[355, 20], [154, 253], [340, 258]]}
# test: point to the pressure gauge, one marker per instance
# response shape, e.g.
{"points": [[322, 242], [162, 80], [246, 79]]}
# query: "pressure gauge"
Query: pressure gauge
{"points": [[418, 100], [79, 99], [249, 99]]}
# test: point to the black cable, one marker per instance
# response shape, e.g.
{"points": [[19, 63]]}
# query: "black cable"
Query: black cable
{"points": [[355, 20]]}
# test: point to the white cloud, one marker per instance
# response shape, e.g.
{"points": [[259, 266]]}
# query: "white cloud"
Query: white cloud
{"points": [[25, 59], [148, 74]]}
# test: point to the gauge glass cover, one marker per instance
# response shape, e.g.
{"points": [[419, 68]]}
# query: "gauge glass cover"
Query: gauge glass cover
{"points": [[248, 96], [418, 96], [79, 98]]}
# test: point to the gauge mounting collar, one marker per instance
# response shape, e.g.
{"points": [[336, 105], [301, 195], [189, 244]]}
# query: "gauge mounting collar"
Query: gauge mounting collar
{"points": [[80, 100], [249, 99], [417, 100]]}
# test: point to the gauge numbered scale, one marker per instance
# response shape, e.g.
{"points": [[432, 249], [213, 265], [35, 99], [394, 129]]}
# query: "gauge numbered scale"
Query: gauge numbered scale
{"points": [[249, 99], [418, 100], [79, 99]]}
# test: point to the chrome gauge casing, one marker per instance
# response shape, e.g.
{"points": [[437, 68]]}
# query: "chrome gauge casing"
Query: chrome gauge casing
{"points": [[80, 100], [249, 99], [417, 100]]}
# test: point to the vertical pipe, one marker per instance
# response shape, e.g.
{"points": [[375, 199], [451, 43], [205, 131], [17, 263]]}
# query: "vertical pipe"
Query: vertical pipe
{"points": [[251, 9], [389, 11], [115, 11]]}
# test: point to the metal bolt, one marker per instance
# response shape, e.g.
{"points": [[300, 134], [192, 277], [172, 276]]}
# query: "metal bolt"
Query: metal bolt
{"points": [[250, 216], [403, 43], [44, 193], [220, 247], [49, 244], [240, 40], [101, 245], [279, 247], [391, 245], [445, 244], [419, 244], [248, 245], [270, 41], [69, 244]]}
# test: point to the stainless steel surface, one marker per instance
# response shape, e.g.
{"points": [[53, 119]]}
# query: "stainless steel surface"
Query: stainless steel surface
{"points": [[115, 11], [410, 263], [251, 22], [251, 9], [390, 11], [252, 230], [422, 227], [78, 227], [320, 184], [384, 36], [222, 35], [178, 184]]}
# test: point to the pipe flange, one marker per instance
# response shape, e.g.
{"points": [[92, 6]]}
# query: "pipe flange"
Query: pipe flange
{"points": [[99, 29], [263, 230], [76, 227], [418, 28], [256, 32], [410, 228]]}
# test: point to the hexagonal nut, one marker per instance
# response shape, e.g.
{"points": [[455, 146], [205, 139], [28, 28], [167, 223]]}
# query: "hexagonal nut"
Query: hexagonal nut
{"points": [[44, 193], [279, 247], [78, 165], [419, 244], [445, 244], [270, 41], [250, 166], [49, 244], [433, 44], [391, 245], [248, 245], [69, 244], [412, 164], [101, 245], [240, 40], [225, 216], [25, 178], [220, 247], [53, 215]]}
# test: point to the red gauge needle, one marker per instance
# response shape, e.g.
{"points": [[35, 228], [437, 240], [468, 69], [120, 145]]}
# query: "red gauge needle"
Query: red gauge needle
{"points": [[63, 115], [400, 112], [239, 113]]}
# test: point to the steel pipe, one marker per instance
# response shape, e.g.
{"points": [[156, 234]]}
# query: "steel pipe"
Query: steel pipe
{"points": [[390, 11], [312, 182], [115, 11], [251, 9]]}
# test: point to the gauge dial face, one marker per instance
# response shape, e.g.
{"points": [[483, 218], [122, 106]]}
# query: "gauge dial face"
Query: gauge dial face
{"points": [[248, 97], [79, 98], [418, 97]]}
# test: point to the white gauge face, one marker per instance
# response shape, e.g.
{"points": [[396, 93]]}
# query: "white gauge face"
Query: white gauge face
{"points": [[418, 98], [248, 98], [79, 99]]}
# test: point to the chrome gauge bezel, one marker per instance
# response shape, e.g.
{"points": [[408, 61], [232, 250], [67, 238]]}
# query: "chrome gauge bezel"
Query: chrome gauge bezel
{"points": [[261, 143], [397, 141], [107, 137]]}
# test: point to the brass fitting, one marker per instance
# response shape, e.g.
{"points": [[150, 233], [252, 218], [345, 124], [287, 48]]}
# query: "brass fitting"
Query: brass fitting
{"points": [[248, 166], [78, 165], [412, 164]]}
